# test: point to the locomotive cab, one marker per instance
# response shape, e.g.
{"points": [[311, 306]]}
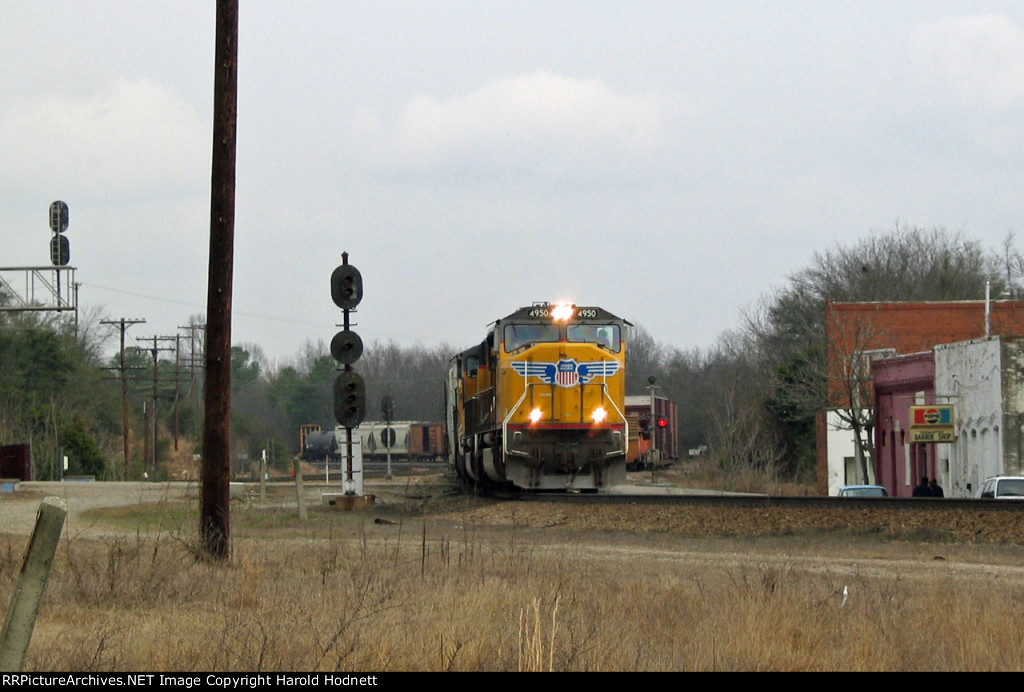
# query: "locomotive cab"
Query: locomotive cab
{"points": [[539, 404]]}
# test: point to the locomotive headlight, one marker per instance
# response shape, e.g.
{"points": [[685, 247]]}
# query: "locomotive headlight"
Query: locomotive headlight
{"points": [[599, 414], [561, 313], [535, 415]]}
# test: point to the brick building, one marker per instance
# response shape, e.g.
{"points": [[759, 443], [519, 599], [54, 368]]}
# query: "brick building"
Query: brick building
{"points": [[903, 328], [982, 380], [857, 333]]}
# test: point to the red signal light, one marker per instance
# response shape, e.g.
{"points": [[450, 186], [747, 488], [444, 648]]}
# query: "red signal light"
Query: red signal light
{"points": [[662, 422]]}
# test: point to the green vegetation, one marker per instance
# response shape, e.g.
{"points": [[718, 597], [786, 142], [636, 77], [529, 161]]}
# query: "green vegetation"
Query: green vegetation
{"points": [[53, 393], [148, 517]]}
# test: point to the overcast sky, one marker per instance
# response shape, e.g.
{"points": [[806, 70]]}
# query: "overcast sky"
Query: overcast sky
{"points": [[670, 161]]}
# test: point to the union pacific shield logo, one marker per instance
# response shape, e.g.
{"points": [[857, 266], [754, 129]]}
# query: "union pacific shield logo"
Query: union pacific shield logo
{"points": [[566, 373]]}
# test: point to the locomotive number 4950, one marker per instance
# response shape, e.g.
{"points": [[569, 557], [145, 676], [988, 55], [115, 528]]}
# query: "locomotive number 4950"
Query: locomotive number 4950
{"points": [[546, 312]]}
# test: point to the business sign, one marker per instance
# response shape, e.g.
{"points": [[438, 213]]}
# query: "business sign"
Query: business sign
{"points": [[932, 423]]}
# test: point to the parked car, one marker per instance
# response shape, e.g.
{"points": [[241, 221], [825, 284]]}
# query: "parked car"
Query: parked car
{"points": [[863, 491], [1003, 488]]}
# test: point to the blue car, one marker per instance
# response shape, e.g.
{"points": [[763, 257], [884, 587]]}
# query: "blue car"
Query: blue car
{"points": [[863, 491]]}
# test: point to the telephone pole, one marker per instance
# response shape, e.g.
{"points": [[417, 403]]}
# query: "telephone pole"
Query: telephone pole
{"points": [[151, 410], [123, 325], [214, 510], [195, 362]]}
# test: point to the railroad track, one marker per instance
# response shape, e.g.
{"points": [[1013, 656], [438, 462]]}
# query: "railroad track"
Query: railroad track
{"points": [[670, 495], [764, 501]]}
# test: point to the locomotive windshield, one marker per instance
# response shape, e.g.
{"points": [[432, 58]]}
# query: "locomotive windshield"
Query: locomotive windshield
{"points": [[606, 335], [518, 335]]}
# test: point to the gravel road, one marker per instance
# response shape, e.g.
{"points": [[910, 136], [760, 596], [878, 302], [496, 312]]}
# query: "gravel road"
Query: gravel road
{"points": [[18, 510]]}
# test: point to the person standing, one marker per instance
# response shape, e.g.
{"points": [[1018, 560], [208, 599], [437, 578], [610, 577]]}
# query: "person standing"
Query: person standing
{"points": [[922, 490], [935, 488]]}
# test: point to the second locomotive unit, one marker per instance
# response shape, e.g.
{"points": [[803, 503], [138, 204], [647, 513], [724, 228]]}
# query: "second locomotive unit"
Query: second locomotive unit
{"points": [[540, 403]]}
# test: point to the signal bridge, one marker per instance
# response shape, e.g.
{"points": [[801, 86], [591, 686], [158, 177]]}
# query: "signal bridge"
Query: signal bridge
{"points": [[43, 288]]}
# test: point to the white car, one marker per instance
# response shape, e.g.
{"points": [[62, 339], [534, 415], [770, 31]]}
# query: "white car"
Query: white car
{"points": [[863, 491], [1003, 488]]}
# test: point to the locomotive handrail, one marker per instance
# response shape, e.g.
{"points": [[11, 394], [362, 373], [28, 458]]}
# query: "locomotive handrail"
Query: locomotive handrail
{"points": [[625, 420], [504, 423], [526, 390]]}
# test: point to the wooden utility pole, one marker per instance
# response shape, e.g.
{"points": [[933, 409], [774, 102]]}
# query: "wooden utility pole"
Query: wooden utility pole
{"points": [[123, 324], [214, 522], [150, 455], [177, 385], [194, 361]]}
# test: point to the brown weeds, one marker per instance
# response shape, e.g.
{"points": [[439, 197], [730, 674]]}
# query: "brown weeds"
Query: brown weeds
{"points": [[453, 597]]}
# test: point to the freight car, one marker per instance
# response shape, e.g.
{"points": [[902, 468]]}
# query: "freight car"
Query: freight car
{"points": [[539, 404], [319, 445], [405, 440], [654, 431]]}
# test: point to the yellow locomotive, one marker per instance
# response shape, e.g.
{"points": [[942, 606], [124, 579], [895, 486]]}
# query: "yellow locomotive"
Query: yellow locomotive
{"points": [[540, 403]]}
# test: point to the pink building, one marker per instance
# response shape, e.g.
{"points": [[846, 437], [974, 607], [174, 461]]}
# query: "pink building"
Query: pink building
{"points": [[901, 382]]}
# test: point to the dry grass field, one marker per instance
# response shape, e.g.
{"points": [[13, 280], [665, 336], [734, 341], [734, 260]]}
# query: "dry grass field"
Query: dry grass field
{"points": [[427, 580]]}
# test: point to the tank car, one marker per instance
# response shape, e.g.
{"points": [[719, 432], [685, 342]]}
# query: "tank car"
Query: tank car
{"points": [[319, 445], [539, 404]]}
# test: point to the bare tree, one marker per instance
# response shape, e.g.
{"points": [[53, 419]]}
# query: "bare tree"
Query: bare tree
{"points": [[907, 263], [411, 376], [644, 358], [1010, 261], [92, 335], [786, 331], [742, 436], [851, 345]]}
